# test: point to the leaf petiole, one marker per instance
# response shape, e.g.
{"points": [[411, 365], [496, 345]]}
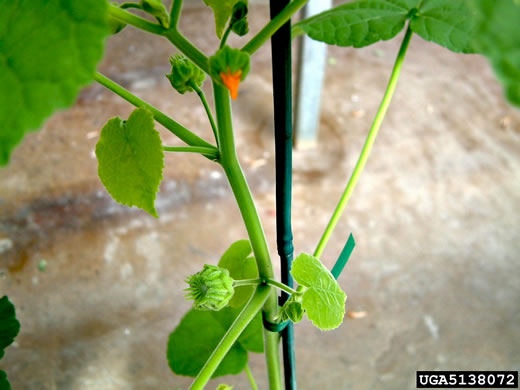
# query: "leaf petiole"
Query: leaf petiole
{"points": [[367, 147], [176, 128], [251, 378], [134, 20], [262, 281], [175, 14], [225, 36], [211, 153]]}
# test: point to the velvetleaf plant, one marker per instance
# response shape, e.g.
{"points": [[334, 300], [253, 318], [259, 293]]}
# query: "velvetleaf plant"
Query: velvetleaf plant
{"points": [[236, 299]]}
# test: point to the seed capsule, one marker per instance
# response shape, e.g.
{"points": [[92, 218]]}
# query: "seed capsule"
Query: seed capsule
{"points": [[211, 288]]}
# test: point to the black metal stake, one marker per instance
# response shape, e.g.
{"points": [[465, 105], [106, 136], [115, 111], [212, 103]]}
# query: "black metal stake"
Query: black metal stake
{"points": [[282, 88]]}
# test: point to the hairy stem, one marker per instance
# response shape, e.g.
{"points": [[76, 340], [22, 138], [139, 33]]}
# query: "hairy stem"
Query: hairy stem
{"points": [[134, 20], [176, 128], [251, 378], [270, 28], [244, 318], [211, 153], [369, 142], [202, 97]]}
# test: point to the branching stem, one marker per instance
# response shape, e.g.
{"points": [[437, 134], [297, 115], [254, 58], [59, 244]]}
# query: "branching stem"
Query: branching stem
{"points": [[244, 318], [238, 183]]}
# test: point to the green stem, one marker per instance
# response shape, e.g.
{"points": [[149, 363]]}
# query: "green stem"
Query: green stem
{"points": [[248, 282], [175, 14], [208, 152], [280, 285], [187, 48], [244, 318], [202, 97], [174, 36], [259, 281], [225, 36], [176, 128], [270, 28], [136, 21], [251, 378], [365, 152], [237, 181]]}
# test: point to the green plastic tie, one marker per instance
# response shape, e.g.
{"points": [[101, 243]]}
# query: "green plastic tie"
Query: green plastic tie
{"points": [[343, 257], [275, 327]]}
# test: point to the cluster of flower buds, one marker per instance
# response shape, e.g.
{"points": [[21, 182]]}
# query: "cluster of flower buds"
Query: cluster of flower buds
{"points": [[238, 22], [185, 74], [229, 66], [211, 288]]}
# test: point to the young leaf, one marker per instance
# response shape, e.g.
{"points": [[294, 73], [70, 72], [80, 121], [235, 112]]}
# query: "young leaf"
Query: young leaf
{"points": [[192, 342], [240, 266], [323, 301], [130, 158], [49, 50], [359, 23], [448, 23], [9, 325], [222, 10], [498, 38]]}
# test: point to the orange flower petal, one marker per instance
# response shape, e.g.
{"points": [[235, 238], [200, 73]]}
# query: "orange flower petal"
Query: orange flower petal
{"points": [[231, 81]]}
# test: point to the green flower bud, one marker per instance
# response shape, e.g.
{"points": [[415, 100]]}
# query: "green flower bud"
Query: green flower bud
{"points": [[156, 8], [185, 74], [229, 66], [239, 11], [211, 288], [240, 27], [292, 310], [238, 22]]}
